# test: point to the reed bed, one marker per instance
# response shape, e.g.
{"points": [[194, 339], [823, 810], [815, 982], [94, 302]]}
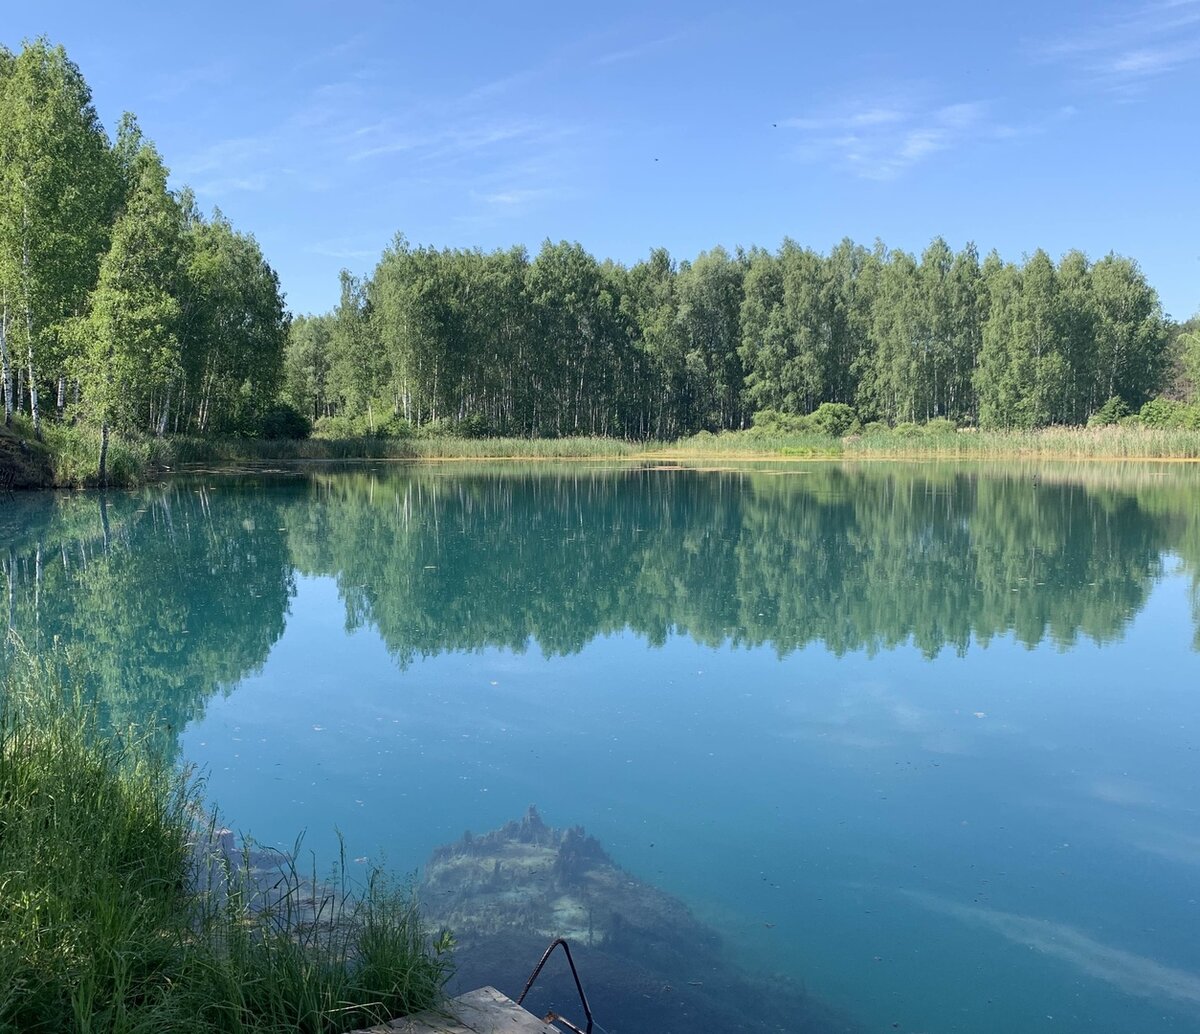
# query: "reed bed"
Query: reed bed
{"points": [[73, 451], [909, 442]]}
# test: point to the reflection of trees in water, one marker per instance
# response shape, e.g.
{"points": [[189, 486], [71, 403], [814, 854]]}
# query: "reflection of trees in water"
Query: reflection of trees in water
{"points": [[160, 597], [854, 557], [175, 592]]}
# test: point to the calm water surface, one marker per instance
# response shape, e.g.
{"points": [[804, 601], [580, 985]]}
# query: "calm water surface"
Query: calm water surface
{"points": [[924, 738]]}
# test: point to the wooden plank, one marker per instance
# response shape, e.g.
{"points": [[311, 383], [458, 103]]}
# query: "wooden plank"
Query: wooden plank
{"points": [[484, 1011]]}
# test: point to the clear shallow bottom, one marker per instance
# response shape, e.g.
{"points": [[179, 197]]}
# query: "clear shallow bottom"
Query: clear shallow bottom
{"points": [[1003, 841], [922, 738]]}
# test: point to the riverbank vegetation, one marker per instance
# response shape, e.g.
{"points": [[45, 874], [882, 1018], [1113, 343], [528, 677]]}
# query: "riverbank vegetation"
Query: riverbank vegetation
{"points": [[117, 917], [146, 322]]}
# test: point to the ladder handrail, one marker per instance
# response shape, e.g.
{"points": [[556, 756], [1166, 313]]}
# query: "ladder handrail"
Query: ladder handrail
{"points": [[552, 1018]]}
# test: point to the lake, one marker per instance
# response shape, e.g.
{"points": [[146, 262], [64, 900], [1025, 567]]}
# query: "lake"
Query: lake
{"points": [[923, 740]]}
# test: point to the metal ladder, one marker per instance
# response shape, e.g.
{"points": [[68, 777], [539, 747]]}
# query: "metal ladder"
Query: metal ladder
{"points": [[552, 1017]]}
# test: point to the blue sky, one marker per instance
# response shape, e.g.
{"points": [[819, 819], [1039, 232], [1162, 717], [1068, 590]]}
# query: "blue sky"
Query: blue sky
{"points": [[325, 128]]}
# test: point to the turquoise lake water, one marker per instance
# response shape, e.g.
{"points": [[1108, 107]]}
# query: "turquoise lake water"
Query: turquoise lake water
{"points": [[923, 739]]}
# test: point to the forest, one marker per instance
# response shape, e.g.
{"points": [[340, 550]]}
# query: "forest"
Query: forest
{"points": [[564, 344], [123, 308], [121, 304]]}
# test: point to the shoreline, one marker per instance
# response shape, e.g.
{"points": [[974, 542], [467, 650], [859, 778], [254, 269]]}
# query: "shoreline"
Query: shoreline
{"points": [[62, 460]]}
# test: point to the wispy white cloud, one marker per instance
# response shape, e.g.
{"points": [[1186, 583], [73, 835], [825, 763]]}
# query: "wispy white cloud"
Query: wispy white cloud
{"points": [[342, 250], [881, 141], [223, 185], [1127, 48], [493, 148], [512, 197], [640, 50], [453, 141], [184, 80]]}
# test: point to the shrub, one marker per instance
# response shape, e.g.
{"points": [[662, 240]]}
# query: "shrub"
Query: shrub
{"points": [[940, 425], [340, 426], [395, 426], [285, 421], [908, 429], [474, 426], [1110, 413], [833, 418], [1162, 412], [773, 422]]}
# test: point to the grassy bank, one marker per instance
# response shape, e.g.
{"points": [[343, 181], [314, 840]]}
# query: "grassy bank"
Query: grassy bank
{"points": [[117, 913], [907, 442], [67, 458]]}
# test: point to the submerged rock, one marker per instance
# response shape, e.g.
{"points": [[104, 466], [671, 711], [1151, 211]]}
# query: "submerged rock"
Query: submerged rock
{"points": [[646, 962]]}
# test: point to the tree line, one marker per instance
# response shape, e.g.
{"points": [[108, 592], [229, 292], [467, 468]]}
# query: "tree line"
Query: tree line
{"points": [[563, 343], [122, 305], [119, 300]]}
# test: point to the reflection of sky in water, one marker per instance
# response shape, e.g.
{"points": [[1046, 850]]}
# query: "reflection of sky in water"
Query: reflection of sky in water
{"points": [[1003, 841]]}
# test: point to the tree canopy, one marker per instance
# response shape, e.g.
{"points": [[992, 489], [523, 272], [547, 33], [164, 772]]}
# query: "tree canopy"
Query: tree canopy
{"points": [[114, 284], [560, 343]]}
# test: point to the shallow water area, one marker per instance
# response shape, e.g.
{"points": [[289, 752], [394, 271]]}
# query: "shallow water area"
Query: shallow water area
{"points": [[922, 739]]}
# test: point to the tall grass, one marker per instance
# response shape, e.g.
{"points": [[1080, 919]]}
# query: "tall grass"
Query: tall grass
{"points": [[1111, 442], [938, 440], [118, 912], [74, 450], [74, 454]]}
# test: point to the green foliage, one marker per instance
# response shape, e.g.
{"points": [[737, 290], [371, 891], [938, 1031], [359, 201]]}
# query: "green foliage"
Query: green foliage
{"points": [[335, 427], [284, 420], [58, 192], [132, 459], [112, 285], [132, 345], [564, 344], [1162, 412], [92, 854], [121, 915], [1110, 413], [169, 322], [835, 419], [1189, 358]]}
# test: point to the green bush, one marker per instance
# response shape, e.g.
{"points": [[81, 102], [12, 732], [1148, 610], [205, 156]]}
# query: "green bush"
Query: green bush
{"points": [[908, 429], [395, 426], [833, 418], [1164, 413], [1110, 413], [285, 421], [340, 426], [475, 426], [940, 425], [772, 422]]}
